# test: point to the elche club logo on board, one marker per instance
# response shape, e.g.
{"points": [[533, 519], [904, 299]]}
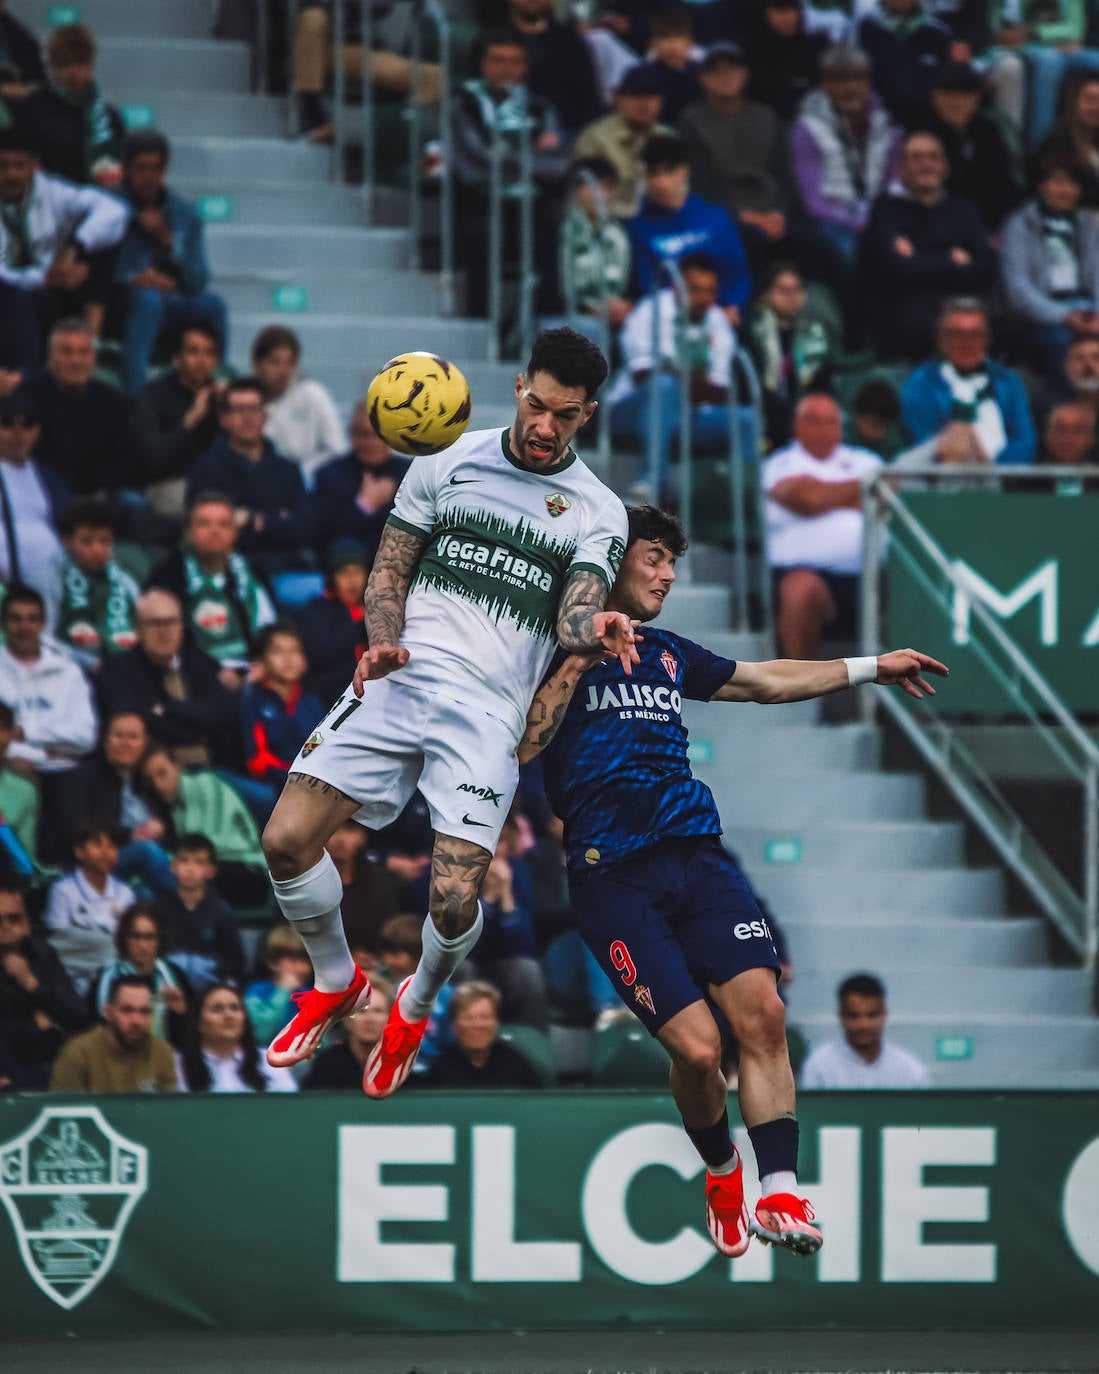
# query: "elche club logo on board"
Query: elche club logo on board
{"points": [[69, 1183]]}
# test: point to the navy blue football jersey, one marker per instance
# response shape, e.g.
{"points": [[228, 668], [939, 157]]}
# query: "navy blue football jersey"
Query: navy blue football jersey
{"points": [[616, 772]]}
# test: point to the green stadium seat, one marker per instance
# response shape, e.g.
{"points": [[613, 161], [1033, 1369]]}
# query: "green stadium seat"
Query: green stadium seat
{"points": [[626, 1056], [534, 1046]]}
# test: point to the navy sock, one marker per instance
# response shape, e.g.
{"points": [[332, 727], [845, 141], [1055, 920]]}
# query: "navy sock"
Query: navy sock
{"points": [[776, 1146], [713, 1143]]}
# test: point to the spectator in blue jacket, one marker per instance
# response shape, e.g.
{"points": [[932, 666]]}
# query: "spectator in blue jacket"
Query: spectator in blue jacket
{"points": [[906, 46], [267, 490], [353, 495], [276, 715], [162, 259], [673, 221], [974, 409]]}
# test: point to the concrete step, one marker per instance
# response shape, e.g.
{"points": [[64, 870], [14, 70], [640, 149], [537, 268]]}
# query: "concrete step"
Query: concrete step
{"points": [[943, 990], [280, 203], [490, 383], [180, 115], [230, 166], [877, 942], [697, 611], [1005, 1051], [787, 803], [234, 250], [155, 65], [369, 291], [124, 19], [870, 844], [792, 749], [733, 720], [831, 892], [377, 336]]}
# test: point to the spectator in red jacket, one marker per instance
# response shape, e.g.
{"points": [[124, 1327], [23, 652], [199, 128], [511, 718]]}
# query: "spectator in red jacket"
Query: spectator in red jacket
{"points": [[277, 715]]}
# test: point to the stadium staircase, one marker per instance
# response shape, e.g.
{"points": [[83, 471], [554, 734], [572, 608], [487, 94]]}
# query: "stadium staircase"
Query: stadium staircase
{"points": [[856, 871]]}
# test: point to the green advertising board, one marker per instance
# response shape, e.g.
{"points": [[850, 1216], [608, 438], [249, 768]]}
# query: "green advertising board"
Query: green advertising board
{"points": [[1031, 560], [534, 1211]]}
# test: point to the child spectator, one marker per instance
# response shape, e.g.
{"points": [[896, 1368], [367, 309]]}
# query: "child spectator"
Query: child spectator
{"points": [[79, 134], [402, 944], [341, 1065], [85, 907], [595, 249], [220, 1054], [139, 942], [224, 602], [269, 1002], [276, 714], [333, 631], [199, 925], [302, 420], [671, 48], [121, 1055], [876, 419], [203, 803], [98, 596], [18, 795]]}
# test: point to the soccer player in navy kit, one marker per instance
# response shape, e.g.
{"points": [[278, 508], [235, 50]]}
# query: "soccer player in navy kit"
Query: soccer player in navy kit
{"points": [[657, 899]]}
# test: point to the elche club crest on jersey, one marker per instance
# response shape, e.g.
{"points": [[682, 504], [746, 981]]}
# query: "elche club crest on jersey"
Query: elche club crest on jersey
{"points": [[314, 741], [671, 664], [69, 1183], [558, 503]]}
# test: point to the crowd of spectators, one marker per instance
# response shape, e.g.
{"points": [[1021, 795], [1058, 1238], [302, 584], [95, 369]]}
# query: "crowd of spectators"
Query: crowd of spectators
{"points": [[891, 207]]}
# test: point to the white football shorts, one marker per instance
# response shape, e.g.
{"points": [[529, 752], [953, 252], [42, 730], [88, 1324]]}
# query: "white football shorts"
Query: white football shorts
{"points": [[378, 748]]}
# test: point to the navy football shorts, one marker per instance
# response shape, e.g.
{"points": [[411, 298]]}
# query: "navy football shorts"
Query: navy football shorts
{"points": [[668, 922]]}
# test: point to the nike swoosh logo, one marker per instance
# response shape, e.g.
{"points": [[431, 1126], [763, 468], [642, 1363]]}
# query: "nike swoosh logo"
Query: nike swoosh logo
{"points": [[484, 824], [461, 481]]}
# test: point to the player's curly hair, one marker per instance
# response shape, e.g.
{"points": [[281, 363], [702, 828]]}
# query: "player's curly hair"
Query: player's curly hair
{"points": [[570, 359], [650, 523]]}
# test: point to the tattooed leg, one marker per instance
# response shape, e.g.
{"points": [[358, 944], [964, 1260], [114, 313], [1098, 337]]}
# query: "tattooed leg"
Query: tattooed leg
{"points": [[458, 870], [305, 815]]}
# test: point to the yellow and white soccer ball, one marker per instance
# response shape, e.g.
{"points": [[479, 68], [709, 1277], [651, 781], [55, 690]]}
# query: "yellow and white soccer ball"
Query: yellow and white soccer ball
{"points": [[419, 403]]}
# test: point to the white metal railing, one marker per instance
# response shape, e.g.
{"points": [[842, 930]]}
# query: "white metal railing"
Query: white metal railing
{"points": [[1033, 699]]}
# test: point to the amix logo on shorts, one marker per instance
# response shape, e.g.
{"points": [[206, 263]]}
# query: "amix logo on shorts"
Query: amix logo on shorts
{"points": [[753, 930], [485, 793]]}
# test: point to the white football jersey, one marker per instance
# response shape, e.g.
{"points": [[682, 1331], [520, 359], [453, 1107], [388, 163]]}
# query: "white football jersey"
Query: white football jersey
{"points": [[481, 616]]}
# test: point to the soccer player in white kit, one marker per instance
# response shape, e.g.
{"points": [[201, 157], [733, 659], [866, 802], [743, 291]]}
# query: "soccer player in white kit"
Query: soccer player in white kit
{"points": [[498, 549]]}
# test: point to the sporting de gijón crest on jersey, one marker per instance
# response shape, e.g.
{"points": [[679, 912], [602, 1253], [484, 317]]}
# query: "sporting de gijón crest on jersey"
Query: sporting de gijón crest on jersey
{"points": [[481, 614], [617, 771]]}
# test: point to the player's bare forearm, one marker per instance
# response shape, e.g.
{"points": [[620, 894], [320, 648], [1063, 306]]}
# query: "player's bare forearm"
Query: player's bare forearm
{"points": [[584, 596], [550, 703], [386, 592], [783, 680]]}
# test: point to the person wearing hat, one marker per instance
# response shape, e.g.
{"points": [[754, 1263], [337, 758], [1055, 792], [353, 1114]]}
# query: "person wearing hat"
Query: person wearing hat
{"points": [[844, 148], [983, 164], [783, 56], [332, 626], [621, 135], [738, 152], [56, 250], [353, 495]]}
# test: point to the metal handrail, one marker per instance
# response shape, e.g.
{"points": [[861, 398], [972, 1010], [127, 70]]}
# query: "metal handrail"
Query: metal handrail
{"points": [[1076, 917], [743, 361], [670, 268], [603, 217], [522, 189], [366, 114]]}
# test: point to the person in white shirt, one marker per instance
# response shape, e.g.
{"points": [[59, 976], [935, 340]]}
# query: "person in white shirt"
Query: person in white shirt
{"points": [[814, 527], [220, 1054], [32, 499], [861, 1058], [50, 696], [85, 908], [302, 420], [708, 344]]}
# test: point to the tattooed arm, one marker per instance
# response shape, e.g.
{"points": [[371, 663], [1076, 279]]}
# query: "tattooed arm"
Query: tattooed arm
{"points": [[383, 606], [583, 624], [551, 701]]}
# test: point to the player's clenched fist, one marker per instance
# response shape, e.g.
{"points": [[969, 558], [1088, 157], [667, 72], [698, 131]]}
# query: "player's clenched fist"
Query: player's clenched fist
{"points": [[616, 634], [904, 668], [379, 661]]}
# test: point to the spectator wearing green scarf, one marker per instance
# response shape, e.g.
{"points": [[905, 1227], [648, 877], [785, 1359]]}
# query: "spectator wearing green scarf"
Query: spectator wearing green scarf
{"points": [[79, 134]]}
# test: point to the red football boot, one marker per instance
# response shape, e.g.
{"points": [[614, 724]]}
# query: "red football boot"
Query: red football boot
{"points": [[317, 1013], [390, 1061], [726, 1214], [783, 1219]]}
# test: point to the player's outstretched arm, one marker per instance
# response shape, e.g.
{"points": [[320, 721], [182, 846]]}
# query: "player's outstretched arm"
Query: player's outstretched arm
{"points": [[789, 679], [583, 625], [384, 603], [551, 701]]}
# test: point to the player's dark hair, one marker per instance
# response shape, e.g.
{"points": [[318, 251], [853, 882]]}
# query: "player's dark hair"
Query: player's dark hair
{"points": [[570, 360], [658, 527], [148, 911], [86, 512], [877, 397], [192, 842], [263, 638], [699, 262], [860, 985], [19, 594], [196, 1074], [127, 980]]}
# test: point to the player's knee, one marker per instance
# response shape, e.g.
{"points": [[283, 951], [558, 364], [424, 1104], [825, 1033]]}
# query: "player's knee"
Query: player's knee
{"points": [[761, 1028], [282, 850], [700, 1057], [453, 908]]}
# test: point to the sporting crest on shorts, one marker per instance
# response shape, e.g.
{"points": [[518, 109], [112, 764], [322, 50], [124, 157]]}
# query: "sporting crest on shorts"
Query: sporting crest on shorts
{"points": [[70, 1183], [315, 740], [558, 503], [642, 995], [670, 663]]}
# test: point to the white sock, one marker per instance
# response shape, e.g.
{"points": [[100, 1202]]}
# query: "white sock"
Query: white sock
{"points": [[311, 902], [730, 1168], [785, 1181], [437, 962]]}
